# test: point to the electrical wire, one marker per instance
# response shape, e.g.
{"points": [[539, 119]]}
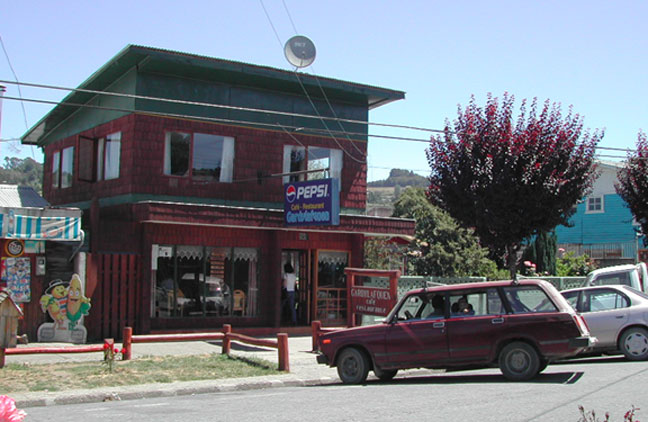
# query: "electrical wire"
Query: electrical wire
{"points": [[16, 78], [254, 123], [290, 17], [222, 106], [361, 161]]}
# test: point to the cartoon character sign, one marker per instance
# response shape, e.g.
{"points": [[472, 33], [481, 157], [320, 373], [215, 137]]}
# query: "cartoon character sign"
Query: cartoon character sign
{"points": [[54, 301], [77, 304], [66, 304]]}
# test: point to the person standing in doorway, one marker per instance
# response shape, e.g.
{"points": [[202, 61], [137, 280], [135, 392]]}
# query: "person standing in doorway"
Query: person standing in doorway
{"points": [[289, 281]]}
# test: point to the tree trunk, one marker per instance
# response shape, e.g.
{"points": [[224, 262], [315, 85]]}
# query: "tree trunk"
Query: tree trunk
{"points": [[511, 260]]}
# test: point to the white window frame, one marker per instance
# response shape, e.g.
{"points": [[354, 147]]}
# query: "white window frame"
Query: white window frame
{"points": [[227, 158], [56, 169], [588, 205], [67, 167], [108, 157], [335, 162]]}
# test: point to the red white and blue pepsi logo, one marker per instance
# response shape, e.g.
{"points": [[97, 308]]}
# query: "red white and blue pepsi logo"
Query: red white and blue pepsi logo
{"points": [[291, 193], [313, 202]]}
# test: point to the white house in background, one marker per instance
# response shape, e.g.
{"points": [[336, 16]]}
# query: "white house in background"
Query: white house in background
{"points": [[603, 226]]}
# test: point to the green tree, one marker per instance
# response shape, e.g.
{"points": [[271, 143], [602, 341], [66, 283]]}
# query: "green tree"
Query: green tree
{"points": [[511, 180], [441, 246], [633, 182], [22, 172], [542, 252], [570, 265]]}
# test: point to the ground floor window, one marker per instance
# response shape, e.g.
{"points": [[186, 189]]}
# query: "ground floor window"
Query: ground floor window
{"points": [[199, 281], [331, 290]]}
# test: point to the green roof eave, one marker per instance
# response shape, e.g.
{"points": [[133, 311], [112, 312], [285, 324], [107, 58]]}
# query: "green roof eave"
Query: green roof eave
{"points": [[147, 59]]}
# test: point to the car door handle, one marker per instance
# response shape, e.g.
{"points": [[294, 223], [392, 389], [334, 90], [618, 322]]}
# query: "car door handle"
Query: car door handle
{"points": [[620, 316], [497, 321], [438, 325]]}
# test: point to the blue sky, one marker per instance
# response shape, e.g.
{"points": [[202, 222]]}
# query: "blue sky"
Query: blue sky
{"points": [[588, 54]]}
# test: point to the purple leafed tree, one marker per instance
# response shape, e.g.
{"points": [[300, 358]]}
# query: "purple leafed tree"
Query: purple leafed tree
{"points": [[511, 179], [633, 182]]}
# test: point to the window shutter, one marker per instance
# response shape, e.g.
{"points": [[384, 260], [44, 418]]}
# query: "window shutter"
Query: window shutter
{"points": [[87, 159]]}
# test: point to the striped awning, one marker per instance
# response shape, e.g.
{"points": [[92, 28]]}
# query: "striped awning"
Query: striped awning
{"points": [[41, 224]]}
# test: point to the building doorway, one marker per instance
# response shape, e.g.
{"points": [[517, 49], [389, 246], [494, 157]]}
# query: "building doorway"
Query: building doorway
{"points": [[299, 260]]}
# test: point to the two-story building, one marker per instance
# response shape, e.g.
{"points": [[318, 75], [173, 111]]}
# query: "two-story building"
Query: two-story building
{"points": [[603, 226], [179, 161]]}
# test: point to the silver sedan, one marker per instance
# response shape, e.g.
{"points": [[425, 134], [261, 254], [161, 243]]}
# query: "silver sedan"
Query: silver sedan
{"points": [[616, 315]]}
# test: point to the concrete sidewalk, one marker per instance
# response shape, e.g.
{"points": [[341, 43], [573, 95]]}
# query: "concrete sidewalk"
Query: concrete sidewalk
{"points": [[304, 370]]}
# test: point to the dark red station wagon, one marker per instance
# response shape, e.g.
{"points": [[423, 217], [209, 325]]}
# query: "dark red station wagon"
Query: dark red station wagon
{"points": [[519, 326]]}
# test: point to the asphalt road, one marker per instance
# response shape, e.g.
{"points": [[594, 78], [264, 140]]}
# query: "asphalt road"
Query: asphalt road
{"points": [[608, 384]]}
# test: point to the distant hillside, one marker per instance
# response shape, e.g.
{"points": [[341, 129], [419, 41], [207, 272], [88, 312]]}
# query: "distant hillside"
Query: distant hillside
{"points": [[402, 178], [381, 194]]}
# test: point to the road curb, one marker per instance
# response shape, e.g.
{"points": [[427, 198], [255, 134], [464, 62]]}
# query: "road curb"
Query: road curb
{"points": [[142, 391]]}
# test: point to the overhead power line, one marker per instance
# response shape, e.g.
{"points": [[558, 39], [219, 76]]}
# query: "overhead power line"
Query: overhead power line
{"points": [[231, 121], [221, 106]]}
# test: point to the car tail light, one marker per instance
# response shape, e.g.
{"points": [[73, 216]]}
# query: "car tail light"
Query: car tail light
{"points": [[582, 324]]}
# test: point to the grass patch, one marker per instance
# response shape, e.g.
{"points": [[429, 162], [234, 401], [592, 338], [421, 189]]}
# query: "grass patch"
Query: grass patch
{"points": [[18, 378]]}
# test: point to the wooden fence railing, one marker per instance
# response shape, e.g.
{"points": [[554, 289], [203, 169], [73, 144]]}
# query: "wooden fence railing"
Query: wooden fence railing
{"points": [[227, 336]]}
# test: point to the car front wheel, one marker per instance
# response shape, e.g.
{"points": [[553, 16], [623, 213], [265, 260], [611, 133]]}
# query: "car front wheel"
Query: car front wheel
{"points": [[385, 374], [634, 343], [352, 366], [518, 361]]}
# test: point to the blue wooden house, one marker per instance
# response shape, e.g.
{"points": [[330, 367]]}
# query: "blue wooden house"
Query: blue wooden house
{"points": [[603, 226]]}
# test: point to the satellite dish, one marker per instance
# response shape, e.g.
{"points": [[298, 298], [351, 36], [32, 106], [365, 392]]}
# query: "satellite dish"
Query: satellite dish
{"points": [[300, 51]]}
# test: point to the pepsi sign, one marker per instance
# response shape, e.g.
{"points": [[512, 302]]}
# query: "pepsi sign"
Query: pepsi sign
{"points": [[312, 203]]}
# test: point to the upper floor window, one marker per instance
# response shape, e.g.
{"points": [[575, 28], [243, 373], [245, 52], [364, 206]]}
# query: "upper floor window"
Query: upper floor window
{"points": [[209, 157], [311, 163], [108, 155], [56, 169], [595, 204], [67, 167], [63, 168]]}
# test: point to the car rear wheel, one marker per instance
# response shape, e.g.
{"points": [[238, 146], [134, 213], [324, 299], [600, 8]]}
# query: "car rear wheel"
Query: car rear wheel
{"points": [[634, 343], [543, 365], [352, 366], [385, 374], [518, 361]]}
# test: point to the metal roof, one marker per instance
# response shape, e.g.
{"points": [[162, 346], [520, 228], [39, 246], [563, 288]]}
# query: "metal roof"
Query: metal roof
{"points": [[155, 60], [14, 196]]}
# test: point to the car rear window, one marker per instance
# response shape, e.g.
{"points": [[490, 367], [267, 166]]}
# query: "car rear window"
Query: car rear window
{"points": [[528, 299]]}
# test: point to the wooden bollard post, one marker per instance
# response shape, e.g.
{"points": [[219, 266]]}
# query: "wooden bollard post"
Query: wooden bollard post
{"points": [[316, 327], [282, 347], [2, 357], [127, 343], [227, 342]]}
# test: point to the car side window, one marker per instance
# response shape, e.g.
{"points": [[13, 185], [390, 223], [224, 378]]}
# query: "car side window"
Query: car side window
{"points": [[605, 300], [410, 309], [614, 278], [528, 299], [482, 302]]}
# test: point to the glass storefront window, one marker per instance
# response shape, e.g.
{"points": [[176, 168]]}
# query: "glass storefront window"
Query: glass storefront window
{"points": [[197, 281], [331, 291]]}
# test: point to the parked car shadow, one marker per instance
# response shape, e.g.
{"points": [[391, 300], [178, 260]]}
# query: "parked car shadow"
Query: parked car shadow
{"points": [[451, 378], [587, 360], [567, 377]]}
